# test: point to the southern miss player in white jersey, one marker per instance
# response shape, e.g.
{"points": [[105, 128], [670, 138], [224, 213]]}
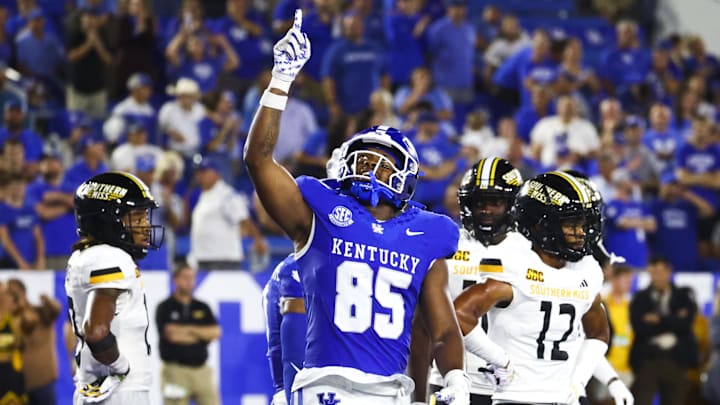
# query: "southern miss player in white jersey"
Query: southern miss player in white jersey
{"points": [[485, 195], [604, 373], [549, 293], [106, 298]]}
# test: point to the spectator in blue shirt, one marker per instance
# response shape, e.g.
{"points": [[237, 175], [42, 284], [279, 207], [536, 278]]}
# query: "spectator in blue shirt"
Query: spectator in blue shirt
{"points": [[636, 158], [687, 105], [627, 222], [451, 43], [40, 55], [190, 19], [440, 160], [15, 129], [91, 163], [527, 116], [192, 57], [625, 58], [405, 30], [282, 16], [319, 24], [698, 168], [220, 132], [699, 61], [352, 69], [677, 212], [20, 234], [318, 148], [54, 207], [18, 21], [245, 31], [664, 78], [422, 88], [661, 139], [373, 21], [512, 72]]}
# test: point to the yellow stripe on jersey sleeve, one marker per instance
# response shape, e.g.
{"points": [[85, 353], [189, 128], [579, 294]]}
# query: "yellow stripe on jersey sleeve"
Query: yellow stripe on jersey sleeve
{"points": [[491, 266], [106, 275]]}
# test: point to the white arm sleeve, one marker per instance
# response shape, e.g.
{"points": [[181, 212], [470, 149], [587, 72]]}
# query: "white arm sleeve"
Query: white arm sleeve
{"points": [[478, 343], [591, 352]]}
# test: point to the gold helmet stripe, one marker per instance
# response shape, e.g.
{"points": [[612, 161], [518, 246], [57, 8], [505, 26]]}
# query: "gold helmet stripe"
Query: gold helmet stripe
{"points": [[478, 177], [143, 188], [579, 188]]}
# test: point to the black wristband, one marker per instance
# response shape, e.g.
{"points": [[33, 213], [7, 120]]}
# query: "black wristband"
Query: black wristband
{"points": [[103, 344], [612, 380]]}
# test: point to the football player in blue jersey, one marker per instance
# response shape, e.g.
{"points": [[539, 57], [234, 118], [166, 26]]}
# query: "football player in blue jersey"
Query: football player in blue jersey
{"points": [[286, 324], [367, 256]]}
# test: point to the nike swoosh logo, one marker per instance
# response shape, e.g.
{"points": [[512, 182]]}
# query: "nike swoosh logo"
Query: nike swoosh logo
{"points": [[408, 232]]}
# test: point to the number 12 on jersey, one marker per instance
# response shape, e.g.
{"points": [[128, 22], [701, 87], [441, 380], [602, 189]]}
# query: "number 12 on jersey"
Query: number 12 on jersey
{"points": [[354, 299], [556, 353]]}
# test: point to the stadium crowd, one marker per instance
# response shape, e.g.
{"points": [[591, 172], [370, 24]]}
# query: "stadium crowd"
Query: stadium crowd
{"points": [[167, 90]]}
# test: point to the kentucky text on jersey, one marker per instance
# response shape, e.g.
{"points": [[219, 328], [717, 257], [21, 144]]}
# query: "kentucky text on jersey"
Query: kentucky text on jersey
{"points": [[361, 251]]}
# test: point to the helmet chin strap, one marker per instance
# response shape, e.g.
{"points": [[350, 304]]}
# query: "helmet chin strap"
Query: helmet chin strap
{"points": [[372, 192]]}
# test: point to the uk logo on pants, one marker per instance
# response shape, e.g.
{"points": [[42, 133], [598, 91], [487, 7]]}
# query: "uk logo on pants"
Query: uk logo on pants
{"points": [[330, 399]]}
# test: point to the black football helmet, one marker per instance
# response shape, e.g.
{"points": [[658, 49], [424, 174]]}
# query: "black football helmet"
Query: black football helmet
{"points": [[104, 200], [596, 221], [490, 178], [548, 200]]}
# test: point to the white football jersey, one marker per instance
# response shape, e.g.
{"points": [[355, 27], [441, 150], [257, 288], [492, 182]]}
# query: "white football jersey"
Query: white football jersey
{"points": [[464, 271], [104, 266], [541, 329]]}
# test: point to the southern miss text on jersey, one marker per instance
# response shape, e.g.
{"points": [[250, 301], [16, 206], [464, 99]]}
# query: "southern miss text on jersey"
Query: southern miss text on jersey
{"points": [[361, 279], [464, 271], [105, 266], [541, 329]]}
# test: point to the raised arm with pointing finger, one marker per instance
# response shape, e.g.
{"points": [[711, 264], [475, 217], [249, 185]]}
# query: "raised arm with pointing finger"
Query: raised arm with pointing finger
{"points": [[367, 256]]}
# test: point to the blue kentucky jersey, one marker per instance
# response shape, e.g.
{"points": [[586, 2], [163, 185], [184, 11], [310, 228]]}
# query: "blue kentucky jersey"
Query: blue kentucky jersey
{"points": [[361, 279], [284, 282]]}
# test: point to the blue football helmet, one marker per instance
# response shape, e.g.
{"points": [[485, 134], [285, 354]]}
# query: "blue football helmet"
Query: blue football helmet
{"points": [[366, 187]]}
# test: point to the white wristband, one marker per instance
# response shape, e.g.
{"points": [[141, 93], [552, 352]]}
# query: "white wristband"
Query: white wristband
{"points": [[274, 101], [279, 84], [121, 365], [456, 378], [479, 344]]}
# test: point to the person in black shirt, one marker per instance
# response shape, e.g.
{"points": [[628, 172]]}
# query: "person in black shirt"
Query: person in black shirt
{"points": [[664, 346], [186, 327]]}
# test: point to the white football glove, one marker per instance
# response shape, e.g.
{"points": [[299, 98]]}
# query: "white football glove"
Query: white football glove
{"points": [[103, 386], [100, 389], [499, 376], [291, 52], [456, 391], [620, 393], [279, 398]]}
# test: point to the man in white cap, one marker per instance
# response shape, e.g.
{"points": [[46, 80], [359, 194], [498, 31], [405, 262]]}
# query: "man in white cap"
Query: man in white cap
{"points": [[179, 119]]}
